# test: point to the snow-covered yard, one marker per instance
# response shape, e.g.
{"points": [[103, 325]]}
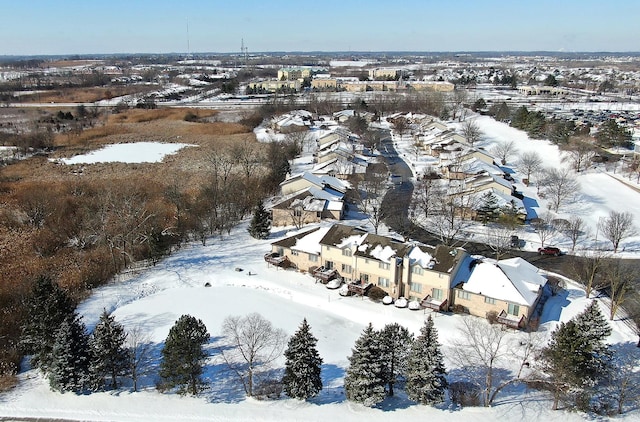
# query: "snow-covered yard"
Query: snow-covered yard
{"points": [[156, 298]]}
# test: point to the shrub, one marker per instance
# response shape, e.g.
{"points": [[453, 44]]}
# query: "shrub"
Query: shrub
{"points": [[492, 317], [190, 117], [376, 294]]}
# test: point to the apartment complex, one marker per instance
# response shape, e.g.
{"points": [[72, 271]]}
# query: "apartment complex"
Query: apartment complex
{"points": [[440, 278]]}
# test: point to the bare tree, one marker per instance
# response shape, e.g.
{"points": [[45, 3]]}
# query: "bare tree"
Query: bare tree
{"points": [[587, 269], [575, 229], [544, 227], [451, 216], [140, 353], [620, 277], [560, 185], [499, 239], [529, 163], [504, 150], [370, 194], [401, 125], [471, 131], [483, 348], [426, 193], [459, 98], [579, 154], [253, 345], [298, 139], [616, 227]]}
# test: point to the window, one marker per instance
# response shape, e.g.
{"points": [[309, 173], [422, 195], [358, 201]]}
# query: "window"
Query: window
{"points": [[328, 265], [294, 253], [513, 309], [297, 212], [383, 265], [313, 257], [281, 251], [346, 268], [489, 300], [417, 269], [415, 287], [437, 294], [383, 282], [464, 295], [364, 277], [347, 252]]}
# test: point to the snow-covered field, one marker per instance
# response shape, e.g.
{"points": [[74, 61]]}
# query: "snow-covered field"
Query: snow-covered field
{"points": [[137, 152], [156, 298]]}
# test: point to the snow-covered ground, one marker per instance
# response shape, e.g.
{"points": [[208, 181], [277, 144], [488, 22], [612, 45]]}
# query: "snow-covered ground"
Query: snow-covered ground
{"points": [[601, 190], [137, 152], [156, 298]]}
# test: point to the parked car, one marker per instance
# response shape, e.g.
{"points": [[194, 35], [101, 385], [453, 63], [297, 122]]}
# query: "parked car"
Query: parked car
{"points": [[549, 250], [335, 283]]}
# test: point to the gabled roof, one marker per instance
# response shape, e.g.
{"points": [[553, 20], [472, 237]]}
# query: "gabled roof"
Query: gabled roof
{"points": [[319, 181], [513, 280]]}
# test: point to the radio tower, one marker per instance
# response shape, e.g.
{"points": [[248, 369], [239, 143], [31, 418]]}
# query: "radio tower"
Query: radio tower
{"points": [[243, 52]]}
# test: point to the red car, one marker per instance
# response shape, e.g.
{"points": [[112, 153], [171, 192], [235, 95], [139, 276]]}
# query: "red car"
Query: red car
{"points": [[549, 250]]}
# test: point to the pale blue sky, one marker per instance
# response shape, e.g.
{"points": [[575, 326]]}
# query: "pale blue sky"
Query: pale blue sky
{"points": [[160, 26]]}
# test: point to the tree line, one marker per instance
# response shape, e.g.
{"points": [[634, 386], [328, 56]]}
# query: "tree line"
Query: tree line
{"points": [[577, 366]]}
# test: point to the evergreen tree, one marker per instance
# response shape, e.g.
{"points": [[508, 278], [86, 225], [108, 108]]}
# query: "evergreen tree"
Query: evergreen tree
{"points": [[183, 356], [395, 342], [365, 377], [489, 209], [109, 356], [426, 382], [595, 328], [69, 367], [303, 365], [47, 307], [260, 226], [576, 358]]}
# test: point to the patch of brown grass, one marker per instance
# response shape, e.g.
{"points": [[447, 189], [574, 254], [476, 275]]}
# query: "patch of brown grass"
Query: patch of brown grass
{"points": [[86, 95], [143, 115]]}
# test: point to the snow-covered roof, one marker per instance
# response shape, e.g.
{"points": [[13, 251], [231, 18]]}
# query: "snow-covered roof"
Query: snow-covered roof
{"points": [[513, 280], [418, 256], [311, 242]]}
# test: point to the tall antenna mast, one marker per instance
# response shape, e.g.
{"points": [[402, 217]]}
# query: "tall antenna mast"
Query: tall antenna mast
{"points": [[243, 51], [188, 46]]}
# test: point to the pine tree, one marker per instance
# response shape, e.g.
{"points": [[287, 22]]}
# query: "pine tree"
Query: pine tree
{"points": [[575, 359], [183, 356], [69, 367], [593, 324], [365, 377], [426, 382], [260, 226], [395, 342], [109, 356], [47, 307], [489, 209], [303, 365]]}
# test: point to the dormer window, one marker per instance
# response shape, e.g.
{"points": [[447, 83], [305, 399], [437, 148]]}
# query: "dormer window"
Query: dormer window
{"points": [[347, 252]]}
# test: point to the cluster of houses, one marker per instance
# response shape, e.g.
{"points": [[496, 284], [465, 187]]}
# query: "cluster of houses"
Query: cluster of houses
{"points": [[439, 278], [293, 79], [469, 170]]}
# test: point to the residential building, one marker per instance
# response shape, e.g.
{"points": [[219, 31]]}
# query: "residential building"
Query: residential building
{"points": [[440, 278]]}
